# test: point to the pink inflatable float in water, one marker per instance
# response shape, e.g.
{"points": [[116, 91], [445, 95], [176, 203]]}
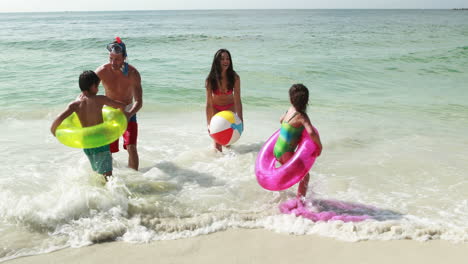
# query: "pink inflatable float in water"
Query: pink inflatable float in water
{"points": [[298, 208], [290, 173]]}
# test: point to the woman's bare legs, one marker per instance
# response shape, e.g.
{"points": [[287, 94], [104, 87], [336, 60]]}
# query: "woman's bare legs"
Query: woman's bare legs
{"points": [[218, 147]]}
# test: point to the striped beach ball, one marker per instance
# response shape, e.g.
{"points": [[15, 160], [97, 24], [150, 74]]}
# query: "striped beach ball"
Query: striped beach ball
{"points": [[226, 128]]}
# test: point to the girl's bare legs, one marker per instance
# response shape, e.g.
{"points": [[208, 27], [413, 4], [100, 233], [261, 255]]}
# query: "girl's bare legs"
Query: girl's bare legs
{"points": [[303, 185]]}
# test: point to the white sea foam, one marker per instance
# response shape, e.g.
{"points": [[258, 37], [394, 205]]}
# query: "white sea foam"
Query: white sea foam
{"points": [[184, 189]]}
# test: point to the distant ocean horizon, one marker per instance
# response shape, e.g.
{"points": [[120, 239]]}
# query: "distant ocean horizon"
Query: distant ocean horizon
{"points": [[388, 95], [237, 9]]}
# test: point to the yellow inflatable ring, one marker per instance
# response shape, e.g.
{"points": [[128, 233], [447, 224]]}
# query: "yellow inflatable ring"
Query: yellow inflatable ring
{"points": [[72, 134]]}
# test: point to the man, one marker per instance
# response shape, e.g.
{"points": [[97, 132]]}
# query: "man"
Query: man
{"points": [[122, 82]]}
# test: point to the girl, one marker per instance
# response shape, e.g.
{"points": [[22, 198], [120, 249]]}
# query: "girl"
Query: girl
{"points": [[222, 88], [291, 130]]}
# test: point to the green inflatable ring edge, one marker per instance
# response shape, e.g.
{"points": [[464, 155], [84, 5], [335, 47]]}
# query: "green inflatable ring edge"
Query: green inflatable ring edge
{"points": [[72, 134]]}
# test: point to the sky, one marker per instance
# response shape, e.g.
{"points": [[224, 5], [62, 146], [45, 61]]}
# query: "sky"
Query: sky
{"points": [[111, 5]]}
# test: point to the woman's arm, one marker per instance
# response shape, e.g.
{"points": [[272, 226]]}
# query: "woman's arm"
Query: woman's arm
{"points": [[209, 103], [237, 98]]}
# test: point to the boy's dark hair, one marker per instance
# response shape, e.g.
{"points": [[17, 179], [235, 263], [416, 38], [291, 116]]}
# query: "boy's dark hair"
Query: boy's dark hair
{"points": [[299, 96], [88, 79]]}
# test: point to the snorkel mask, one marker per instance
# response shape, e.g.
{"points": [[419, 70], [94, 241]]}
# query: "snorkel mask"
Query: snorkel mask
{"points": [[118, 47]]}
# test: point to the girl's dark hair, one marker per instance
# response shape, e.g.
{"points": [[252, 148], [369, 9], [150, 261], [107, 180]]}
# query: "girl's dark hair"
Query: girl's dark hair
{"points": [[215, 74], [87, 79], [299, 96]]}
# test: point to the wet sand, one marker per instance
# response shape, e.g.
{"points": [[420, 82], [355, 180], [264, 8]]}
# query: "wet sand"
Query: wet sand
{"points": [[259, 246]]}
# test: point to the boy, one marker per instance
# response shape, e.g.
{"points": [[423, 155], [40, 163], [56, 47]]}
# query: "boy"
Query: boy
{"points": [[88, 107]]}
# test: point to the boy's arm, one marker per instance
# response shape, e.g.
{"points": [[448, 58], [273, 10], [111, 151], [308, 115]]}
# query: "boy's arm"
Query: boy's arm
{"points": [[314, 135], [59, 119]]}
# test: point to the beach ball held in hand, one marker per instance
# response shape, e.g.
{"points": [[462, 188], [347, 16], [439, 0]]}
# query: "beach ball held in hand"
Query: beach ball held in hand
{"points": [[226, 128]]}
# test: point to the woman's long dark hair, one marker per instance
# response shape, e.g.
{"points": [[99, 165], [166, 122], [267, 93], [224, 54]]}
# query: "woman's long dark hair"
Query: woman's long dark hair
{"points": [[299, 96], [215, 74]]}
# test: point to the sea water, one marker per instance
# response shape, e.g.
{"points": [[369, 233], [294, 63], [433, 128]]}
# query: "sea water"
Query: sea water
{"points": [[388, 93]]}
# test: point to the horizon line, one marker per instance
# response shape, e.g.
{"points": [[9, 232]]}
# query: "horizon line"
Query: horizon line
{"points": [[223, 9]]}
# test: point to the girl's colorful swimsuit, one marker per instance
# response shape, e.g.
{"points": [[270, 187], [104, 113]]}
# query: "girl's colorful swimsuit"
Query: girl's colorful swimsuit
{"points": [[222, 107], [288, 138]]}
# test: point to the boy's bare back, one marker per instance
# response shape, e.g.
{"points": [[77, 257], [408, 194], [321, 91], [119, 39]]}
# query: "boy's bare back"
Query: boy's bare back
{"points": [[89, 109]]}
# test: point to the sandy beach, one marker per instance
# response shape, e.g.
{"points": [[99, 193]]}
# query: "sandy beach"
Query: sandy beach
{"points": [[259, 246]]}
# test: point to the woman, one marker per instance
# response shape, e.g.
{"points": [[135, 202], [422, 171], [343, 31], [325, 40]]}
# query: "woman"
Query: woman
{"points": [[222, 88]]}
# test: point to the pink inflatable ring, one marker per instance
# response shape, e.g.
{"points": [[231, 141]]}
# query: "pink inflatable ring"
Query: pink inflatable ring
{"points": [[290, 173]]}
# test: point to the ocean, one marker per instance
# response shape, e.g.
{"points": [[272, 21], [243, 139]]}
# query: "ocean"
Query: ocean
{"points": [[388, 93]]}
